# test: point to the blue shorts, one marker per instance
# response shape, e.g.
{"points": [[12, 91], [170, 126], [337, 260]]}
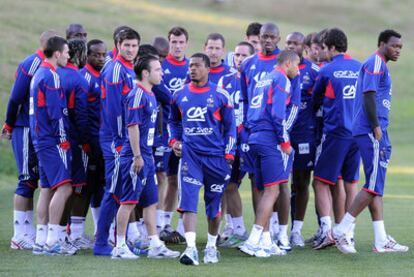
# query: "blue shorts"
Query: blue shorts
{"points": [[246, 157], [79, 167], [26, 162], [237, 174], [173, 162], [161, 158], [54, 166], [196, 171], [304, 154], [375, 158], [337, 158], [112, 169], [271, 165], [138, 188]]}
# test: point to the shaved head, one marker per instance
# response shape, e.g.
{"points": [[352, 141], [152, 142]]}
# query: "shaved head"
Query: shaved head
{"points": [[296, 35], [163, 47], [269, 28], [161, 43], [45, 36], [295, 42], [269, 38]]}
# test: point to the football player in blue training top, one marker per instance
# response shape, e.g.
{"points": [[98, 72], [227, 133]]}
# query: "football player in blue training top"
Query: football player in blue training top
{"points": [[17, 128], [234, 230], [175, 69], [337, 155], [252, 70], [49, 125], [369, 128], [266, 118], [203, 133], [214, 49], [117, 81], [137, 163], [303, 139]]}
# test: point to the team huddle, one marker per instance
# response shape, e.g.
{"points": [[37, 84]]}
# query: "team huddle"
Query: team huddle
{"points": [[134, 134]]}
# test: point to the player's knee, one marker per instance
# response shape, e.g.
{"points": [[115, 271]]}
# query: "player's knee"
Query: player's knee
{"points": [[24, 191]]}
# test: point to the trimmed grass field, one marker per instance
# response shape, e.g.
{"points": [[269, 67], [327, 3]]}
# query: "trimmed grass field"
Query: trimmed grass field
{"points": [[399, 204], [21, 22]]}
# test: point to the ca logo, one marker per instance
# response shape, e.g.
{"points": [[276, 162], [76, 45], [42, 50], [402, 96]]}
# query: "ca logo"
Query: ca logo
{"points": [[196, 114], [256, 101], [349, 92], [176, 84], [259, 76]]}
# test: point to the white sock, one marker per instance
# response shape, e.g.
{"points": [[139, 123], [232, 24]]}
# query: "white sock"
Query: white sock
{"points": [[297, 226], [345, 225], [238, 225], [168, 218], [379, 232], [132, 232], [274, 223], [41, 234], [29, 227], [112, 230], [77, 227], [326, 223], [19, 218], [255, 234], [352, 230], [53, 231], [190, 238], [95, 217], [142, 229], [160, 220], [120, 241], [229, 221], [154, 241], [62, 232], [266, 239], [211, 240], [283, 230], [180, 226]]}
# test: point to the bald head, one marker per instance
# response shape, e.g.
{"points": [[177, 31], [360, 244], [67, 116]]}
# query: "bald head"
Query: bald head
{"points": [[162, 45], [297, 36], [295, 42], [76, 30], [269, 38], [269, 28], [45, 36]]}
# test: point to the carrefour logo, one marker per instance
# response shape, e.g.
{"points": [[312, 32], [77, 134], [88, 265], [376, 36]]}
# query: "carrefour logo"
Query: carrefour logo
{"points": [[196, 114]]}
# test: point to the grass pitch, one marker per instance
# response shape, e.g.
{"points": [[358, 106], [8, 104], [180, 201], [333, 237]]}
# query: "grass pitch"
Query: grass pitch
{"points": [[21, 22]]}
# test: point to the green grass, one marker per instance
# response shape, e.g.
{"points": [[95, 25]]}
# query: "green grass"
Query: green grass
{"points": [[21, 22], [399, 205]]}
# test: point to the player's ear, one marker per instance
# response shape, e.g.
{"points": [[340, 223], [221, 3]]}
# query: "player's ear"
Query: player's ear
{"points": [[278, 40], [57, 54]]}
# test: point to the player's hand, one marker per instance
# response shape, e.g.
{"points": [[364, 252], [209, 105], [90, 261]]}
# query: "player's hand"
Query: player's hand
{"points": [[177, 148], [137, 164], [229, 159], [5, 133], [377, 133], [65, 146], [287, 150]]}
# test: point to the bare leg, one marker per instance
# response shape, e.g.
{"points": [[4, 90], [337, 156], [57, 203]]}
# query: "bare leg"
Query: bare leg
{"points": [[338, 200], [57, 204], [301, 180]]}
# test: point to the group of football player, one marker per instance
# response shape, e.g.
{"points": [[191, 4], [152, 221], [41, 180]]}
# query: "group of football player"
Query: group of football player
{"points": [[135, 132]]}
